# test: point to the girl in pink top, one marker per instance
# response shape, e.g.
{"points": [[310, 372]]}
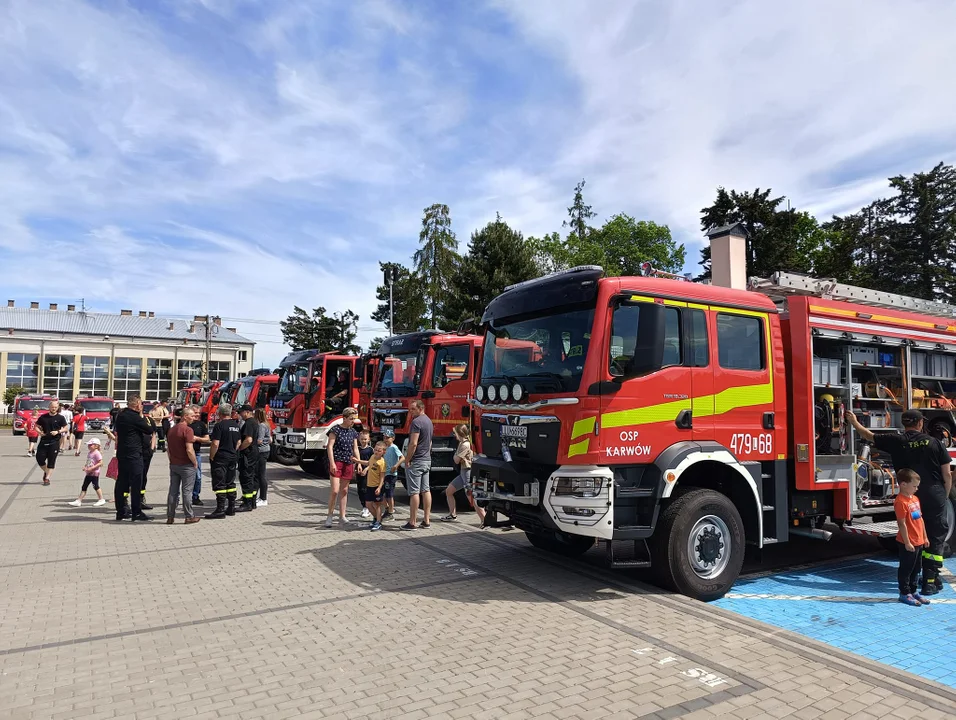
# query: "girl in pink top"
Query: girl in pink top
{"points": [[94, 461]]}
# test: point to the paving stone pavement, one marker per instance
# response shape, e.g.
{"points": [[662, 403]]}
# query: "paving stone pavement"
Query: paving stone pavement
{"points": [[269, 615]]}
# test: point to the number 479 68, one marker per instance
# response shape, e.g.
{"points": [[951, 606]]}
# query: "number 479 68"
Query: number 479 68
{"points": [[747, 444]]}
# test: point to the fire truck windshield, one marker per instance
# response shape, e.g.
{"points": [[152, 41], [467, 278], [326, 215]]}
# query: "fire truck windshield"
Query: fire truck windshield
{"points": [[244, 392], [398, 377], [545, 353], [96, 405], [295, 380], [34, 404]]}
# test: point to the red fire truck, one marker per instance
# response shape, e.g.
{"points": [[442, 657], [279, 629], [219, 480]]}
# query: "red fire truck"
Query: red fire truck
{"points": [[189, 395], [23, 407], [209, 400], [97, 410], [315, 388], [675, 422], [438, 368]]}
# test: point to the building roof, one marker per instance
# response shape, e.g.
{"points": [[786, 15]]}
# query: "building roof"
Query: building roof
{"points": [[116, 326]]}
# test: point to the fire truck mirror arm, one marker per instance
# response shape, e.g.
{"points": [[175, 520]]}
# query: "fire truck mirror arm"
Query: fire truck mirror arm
{"points": [[649, 345]]}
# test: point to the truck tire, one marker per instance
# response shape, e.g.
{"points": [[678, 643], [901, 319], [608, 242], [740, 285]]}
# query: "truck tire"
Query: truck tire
{"points": [[15, 433], [561, 543], [951, 528], [284, 456], [316, 467], [698, 546]]}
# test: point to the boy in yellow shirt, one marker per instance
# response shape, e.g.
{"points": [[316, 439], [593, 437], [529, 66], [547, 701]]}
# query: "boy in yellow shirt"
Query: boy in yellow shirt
{"points": [[375, 483]]}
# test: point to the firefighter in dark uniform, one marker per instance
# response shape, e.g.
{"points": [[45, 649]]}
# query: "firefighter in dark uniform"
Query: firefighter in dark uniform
{"points": [[149, 448], [918, 451], [248, 457], [223, 445], [132, 432]]}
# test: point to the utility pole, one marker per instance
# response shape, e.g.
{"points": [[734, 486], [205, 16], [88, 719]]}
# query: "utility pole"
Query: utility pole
{"points": [[391, 275]]}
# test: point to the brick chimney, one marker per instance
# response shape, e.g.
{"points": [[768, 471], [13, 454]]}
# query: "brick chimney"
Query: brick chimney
{"points": [[218, 320], [142, 313], [728, 256], [10, 303], [152, 314], [172, 326], [126, 313], [70, 308], [231, 330], [53, 306], [34, 306], [199, 318]]}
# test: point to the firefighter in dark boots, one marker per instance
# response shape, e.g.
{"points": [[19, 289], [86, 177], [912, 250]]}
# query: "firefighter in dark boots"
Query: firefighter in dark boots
{"points": [[224, 443], [248, 458], [149, 447], [915, 450], [132, 434]]}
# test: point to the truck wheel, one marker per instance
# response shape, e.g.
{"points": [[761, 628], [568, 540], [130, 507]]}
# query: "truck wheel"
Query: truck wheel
{"points": [[15, 433], [698, 547], [284, 456], [950, 528], [561, 543], [940, 424], [316, 467]]}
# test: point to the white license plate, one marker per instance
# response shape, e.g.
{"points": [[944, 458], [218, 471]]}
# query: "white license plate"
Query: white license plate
{"points": [[517, 432]]}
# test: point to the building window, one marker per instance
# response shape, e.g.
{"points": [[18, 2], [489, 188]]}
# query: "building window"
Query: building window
{"points": [[23, 369], [189, 371], [159, 379], [127, 377], [220, 370], [242, 355], [58, 375], [94, 375]]}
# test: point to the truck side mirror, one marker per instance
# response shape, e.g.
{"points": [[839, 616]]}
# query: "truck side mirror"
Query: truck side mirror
{"points": [[357, 384], [649, 346]]}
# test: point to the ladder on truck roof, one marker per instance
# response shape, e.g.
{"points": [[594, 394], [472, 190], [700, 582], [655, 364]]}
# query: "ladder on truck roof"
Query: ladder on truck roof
{"points": [[784, 284]]}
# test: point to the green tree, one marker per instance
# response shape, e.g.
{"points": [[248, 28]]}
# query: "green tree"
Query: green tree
{"points": [[437, 259], [408, 300], [10, 394], [623, 243], [497, 257], [580, 214], [337, 332], [375, 343]]}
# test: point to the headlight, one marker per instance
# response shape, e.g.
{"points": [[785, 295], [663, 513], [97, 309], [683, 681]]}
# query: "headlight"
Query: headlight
{"points": [[492, 393], [503, 392], [517, 392], [479, 393], [581, 487]]}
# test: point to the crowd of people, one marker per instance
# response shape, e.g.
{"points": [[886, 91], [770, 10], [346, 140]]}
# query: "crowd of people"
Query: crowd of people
{"points": [[240, 449]]}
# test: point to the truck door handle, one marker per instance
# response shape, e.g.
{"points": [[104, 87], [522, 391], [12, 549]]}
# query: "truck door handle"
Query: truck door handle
{"points": [[685, 420], [768, 421]]}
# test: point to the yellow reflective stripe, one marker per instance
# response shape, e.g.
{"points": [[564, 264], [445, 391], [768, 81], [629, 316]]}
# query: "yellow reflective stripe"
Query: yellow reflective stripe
{"points": [[641, 298], [675, 303], [878, 318], [695, 306], [644, 415], [929, 555], [248, 495], [230, 490], [582, 427], [703, 406], [579, 448], [220, 492]]}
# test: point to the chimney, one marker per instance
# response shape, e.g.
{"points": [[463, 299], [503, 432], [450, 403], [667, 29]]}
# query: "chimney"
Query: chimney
{"points": [[70, 308], [10, 303], [192, 328], [142, 313], [728, 256], [218, 320], [34, 306], [231, 330], [53, 306], [126, 313], [152, 314], [172, 326], [199, 318]]}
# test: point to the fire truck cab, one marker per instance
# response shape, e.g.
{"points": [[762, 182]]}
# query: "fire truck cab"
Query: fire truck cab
{"points": [[315, 388], [23, 407], [97, 409], [674, 422]]}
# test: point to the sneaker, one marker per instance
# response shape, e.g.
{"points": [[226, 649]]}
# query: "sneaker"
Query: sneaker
{"points": [[910, 600], [365, 513], [29, 454], [387, 516], [450, 518], [100, 503], [75, 503], [261, 503], [328, 521], [344, 521], [409, 526], [921, 599], [375, 526], [197, 501]]}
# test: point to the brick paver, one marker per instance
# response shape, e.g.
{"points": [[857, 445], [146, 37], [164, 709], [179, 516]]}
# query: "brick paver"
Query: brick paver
{"points": [[267, 615]]}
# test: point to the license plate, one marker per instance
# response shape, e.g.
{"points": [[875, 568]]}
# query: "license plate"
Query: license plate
{"points": [[516, 432]]}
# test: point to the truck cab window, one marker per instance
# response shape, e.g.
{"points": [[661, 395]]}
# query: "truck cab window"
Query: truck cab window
{"points": [[740, 343], [451, 363], [624, 326], [700, 349]]}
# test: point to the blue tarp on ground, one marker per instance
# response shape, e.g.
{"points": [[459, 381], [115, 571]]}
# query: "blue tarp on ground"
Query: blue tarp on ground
{"points": [[853, 606]]}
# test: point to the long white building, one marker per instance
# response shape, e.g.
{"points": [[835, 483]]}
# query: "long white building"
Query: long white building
{"points": [[66, 352]]}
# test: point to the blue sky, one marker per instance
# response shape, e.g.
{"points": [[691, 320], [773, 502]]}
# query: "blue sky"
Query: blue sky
{"points": [[240, 157]]}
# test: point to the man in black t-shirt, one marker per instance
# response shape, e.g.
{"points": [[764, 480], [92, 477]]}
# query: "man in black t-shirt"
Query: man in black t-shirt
{"points": [[201, 433], [248, 458], [926, 455], [52, 427], [224, 442]]}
